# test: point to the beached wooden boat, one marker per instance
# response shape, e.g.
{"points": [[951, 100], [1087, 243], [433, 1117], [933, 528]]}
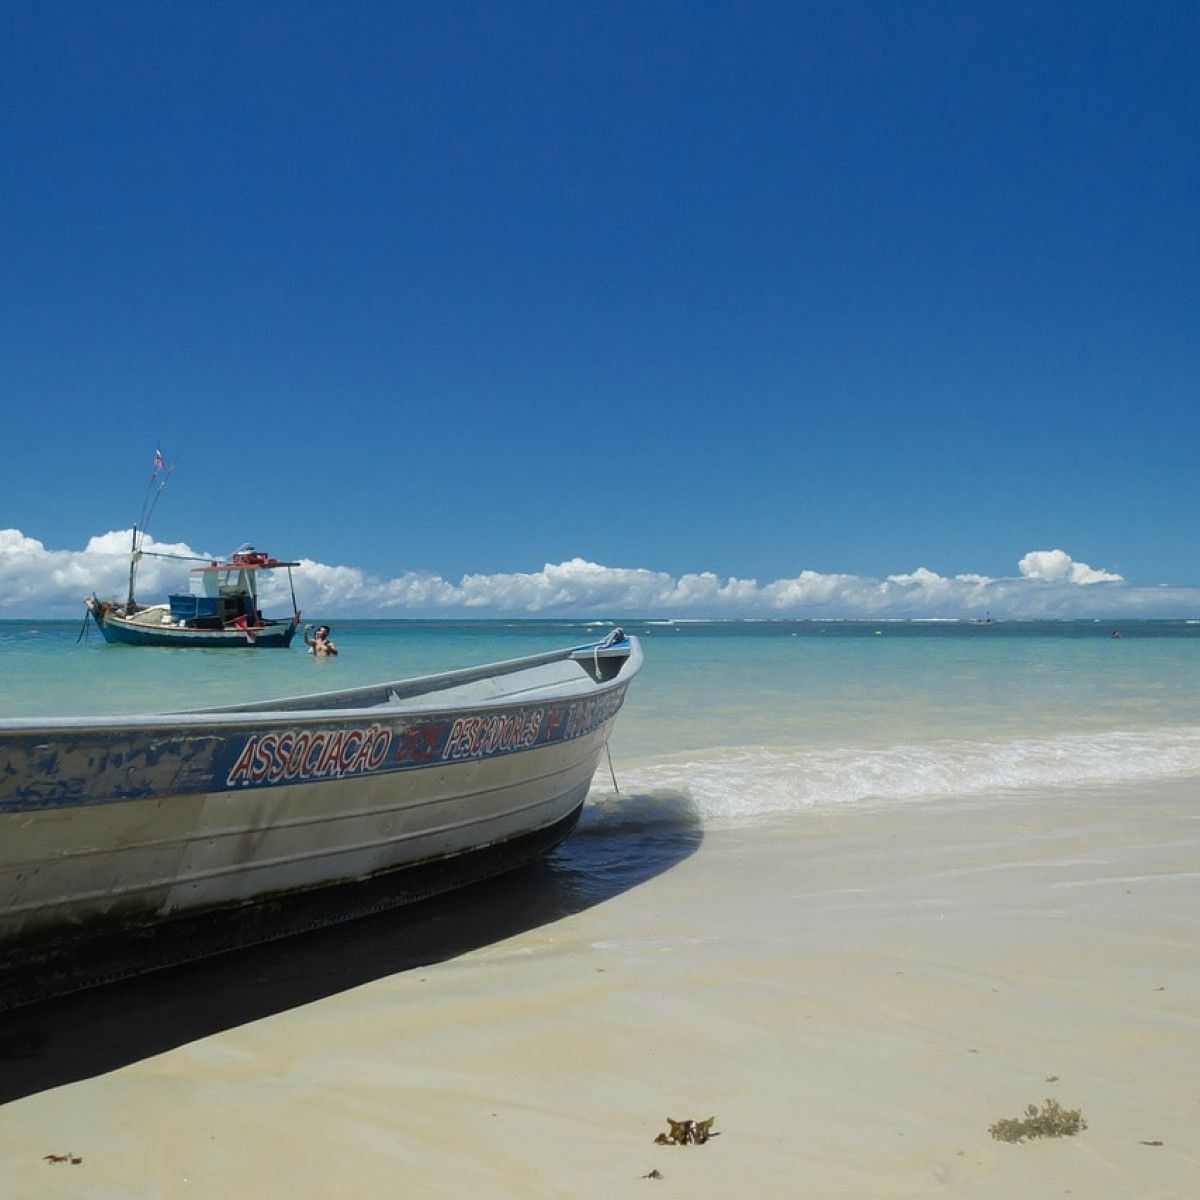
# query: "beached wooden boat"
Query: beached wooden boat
{"points": [[220, 609], [131, 842]]}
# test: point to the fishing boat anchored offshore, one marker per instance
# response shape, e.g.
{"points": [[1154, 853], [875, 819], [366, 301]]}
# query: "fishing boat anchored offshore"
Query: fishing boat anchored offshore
{"points": [[128, 843], [219, 609]]}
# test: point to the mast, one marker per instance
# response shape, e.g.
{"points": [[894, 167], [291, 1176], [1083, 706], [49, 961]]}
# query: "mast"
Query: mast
{"points": [[292, 588], [160, 474], [133, 557]]}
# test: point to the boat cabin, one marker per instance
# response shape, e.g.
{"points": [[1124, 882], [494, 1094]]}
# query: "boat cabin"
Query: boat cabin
{"points": [[223, 593]]}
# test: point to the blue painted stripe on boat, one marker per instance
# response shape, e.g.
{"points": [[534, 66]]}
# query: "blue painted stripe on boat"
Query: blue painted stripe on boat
{"points": [[81, 767]]}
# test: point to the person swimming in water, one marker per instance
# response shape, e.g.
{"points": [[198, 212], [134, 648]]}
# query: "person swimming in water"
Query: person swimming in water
{"points": [[320, 643]]}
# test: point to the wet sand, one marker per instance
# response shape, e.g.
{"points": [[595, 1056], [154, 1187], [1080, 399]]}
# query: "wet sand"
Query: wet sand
{"points": [[855, 994]]}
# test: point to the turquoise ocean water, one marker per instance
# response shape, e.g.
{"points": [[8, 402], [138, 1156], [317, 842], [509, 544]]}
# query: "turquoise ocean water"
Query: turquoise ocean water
{"points": [[742, 718]]}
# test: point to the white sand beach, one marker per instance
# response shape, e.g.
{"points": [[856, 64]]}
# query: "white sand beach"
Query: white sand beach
{"points": [[856, 995]]}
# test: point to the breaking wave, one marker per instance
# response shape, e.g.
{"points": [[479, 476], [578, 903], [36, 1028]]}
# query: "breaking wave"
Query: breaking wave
{"points": [[746, 782]]}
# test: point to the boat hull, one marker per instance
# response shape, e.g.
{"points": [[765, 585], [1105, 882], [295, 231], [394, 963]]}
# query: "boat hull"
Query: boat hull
{"points": [[107, 951], [257, 822], [275, 635]]}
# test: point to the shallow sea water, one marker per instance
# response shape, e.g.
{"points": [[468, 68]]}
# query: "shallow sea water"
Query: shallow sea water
{"points": [[739, 718]]}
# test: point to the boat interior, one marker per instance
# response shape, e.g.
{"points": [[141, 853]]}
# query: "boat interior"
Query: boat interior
{"points": [[558, 672]]}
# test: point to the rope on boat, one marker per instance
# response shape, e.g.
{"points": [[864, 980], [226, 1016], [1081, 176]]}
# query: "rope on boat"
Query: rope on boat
{"points": [[615, 635], [180, 557], [613, 773]]}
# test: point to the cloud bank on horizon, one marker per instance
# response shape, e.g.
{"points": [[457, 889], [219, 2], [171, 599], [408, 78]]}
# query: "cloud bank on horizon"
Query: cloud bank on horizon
{"points": [[38, 582]]}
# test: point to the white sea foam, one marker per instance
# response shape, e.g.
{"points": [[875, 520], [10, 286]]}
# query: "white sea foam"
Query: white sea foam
{"points": [[760, 780]]}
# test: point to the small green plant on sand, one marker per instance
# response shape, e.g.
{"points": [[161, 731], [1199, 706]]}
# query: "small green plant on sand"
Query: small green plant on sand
{"points": [[1052, 1121]]}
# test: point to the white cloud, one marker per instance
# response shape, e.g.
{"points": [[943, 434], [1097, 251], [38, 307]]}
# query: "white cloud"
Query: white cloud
{"points": [[1057, 566], [35, 581]]}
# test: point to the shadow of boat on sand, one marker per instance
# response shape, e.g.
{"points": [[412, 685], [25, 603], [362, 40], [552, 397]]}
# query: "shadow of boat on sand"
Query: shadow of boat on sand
{"points": [[616, 847]]}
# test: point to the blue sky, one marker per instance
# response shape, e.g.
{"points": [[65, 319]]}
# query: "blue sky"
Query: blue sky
{"points": [[729, 290]]}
